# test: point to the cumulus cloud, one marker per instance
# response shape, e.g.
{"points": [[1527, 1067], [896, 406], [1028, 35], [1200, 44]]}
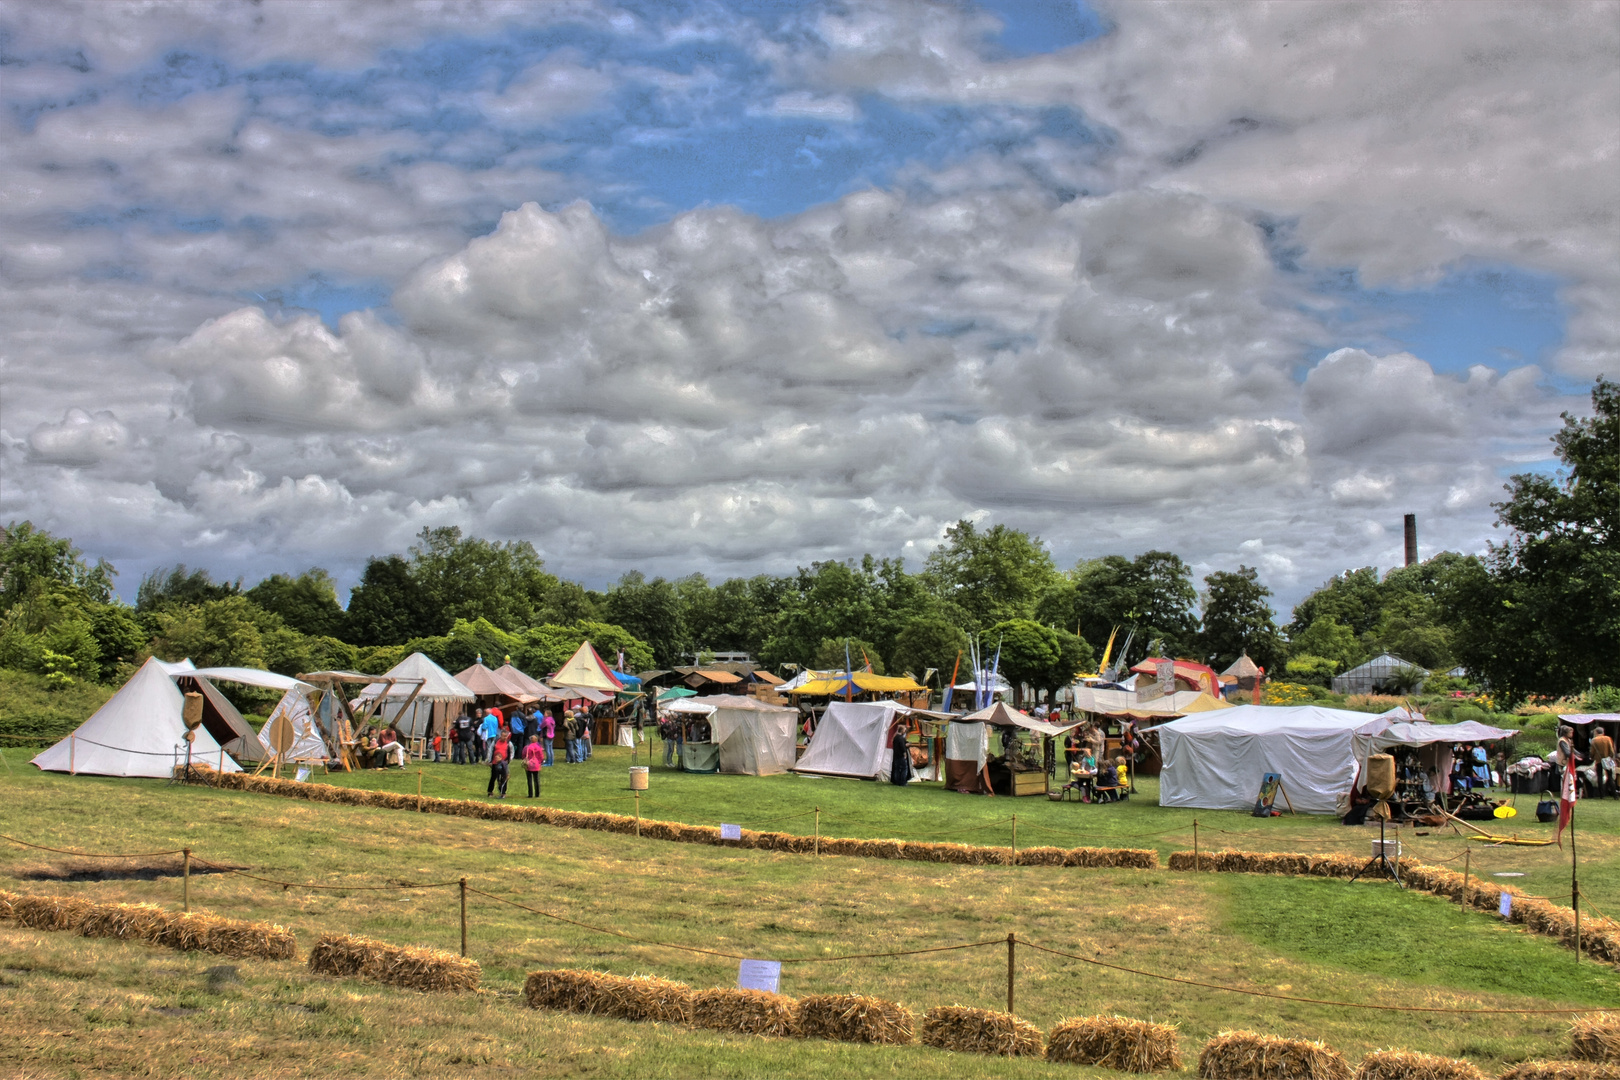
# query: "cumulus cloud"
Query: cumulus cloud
{"points": [[80, 438]]}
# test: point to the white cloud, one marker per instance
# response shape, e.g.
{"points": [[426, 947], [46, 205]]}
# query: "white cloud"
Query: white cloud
{"points": [[80, 439]]}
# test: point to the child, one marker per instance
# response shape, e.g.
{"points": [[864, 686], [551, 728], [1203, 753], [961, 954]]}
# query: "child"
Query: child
{"points": [[534, 759], [1124, 772]]}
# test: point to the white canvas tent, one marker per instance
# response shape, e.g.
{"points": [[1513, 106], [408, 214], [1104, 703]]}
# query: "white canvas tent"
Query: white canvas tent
{"points": [[308, 745], [755, 738], [849, 740], [437, 687], [140, 731], [1215, 760]]}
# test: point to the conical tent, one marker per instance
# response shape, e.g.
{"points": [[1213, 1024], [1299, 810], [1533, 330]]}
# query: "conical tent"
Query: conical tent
{"points": [[486, 683], [308, 745], [586, 670], [140, 731], [437, 686]]}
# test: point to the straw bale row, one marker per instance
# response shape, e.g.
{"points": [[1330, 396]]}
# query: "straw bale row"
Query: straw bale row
{"points": [[746, 1012], [854, 1018], [1596, 1038], [1115, 1042], [677, 832], [347, 956], [1404, 1065], [1245, 1055], [1561, 1070], [980, 1031], [146, 922], [7, 899]]}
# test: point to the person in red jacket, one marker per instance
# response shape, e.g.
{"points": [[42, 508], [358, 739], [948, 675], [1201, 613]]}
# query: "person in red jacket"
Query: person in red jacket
{"points": [[534, 759], [500, 763]]}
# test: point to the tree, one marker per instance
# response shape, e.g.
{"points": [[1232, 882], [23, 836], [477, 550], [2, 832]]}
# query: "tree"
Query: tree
{"points": [[1037, 656], [31, 557], [1353, 598], [175, 587], [990, 576], [471, 578], [929, 641], [1152, 594], [216, 633], [1540, 614], [651, 610], [389, 606], [1237, 619], [307, 603], [1330, 640]]}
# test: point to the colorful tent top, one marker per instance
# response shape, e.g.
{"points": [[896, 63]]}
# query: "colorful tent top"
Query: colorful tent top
{"points": [[1003, 715], [761, 675], [675, 693], [865, 682], [1104, 702], [436, 684], [712, 675], [586, 670], [486, 683], [631, 682], [1196, 676]]}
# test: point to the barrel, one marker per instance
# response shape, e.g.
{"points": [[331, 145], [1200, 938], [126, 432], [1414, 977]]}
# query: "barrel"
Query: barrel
{"points": [[638, 778]]}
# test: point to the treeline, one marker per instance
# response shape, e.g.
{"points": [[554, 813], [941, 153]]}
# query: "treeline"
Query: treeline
{"points": [[1538, 614]]}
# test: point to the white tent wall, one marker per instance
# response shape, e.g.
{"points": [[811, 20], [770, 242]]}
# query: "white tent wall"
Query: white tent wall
{"points": [[140, 731], [849, 740], [1215, 760], [308, 745], [755, 742]]}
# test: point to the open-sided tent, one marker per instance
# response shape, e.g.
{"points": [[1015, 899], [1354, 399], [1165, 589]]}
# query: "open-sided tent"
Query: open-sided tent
{"points": [[222, 719], [1215, 760], [1437, 739], [849, 740], [967, 748], [585, 670], [308, 742], [755, 738], [140, 731], [424, 690]]}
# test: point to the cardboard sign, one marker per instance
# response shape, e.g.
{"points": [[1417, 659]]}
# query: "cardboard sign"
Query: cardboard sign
{"points": [[730, 832], [760, 975], [1269, 784], [1507, 905]]}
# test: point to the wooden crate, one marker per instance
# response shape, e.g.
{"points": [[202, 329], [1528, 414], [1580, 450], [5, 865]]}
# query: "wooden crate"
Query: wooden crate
{"points": [[1029, 783]]}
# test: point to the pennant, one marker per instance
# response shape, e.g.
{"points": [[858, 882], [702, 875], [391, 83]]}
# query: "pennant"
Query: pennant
{"points": [[1566, 802]]}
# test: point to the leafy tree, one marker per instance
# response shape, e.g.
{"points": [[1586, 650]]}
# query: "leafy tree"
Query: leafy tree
{"points": [[216, 633], [389, 606], [990, 576], [1152, 594], [1411, 628], [307, 603], [567, 602], [470, 578], [1540, 614], [1312, 670], [651, 610], [1040, 657], [31, 558], [1353, 599], [543, 649], [175, 587], [1331, 640], [1237, 619], [831, 653], [929, 641]]}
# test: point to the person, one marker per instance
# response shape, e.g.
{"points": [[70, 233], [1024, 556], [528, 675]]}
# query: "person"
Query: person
{"points": [[1122, 772], [584, 736], [370, 749], [1565, 756], [390, 748], [500, 760], [570, 734], [669, 729], [1071, 750], [1602, 748], [489, 729], [462, 734], [900, 753], [534, 759], [1107, 777], [548, 733], [520, 732]]}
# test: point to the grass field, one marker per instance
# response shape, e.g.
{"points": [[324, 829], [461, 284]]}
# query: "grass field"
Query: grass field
{"points": [[83, 1007]]}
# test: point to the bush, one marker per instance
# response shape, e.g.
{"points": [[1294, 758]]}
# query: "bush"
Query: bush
{"points": [[1601, 699], [1312, 670], [1288, 694], [30, 707]]}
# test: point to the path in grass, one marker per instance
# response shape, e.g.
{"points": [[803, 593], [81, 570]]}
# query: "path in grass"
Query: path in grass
{"points": [[862, 809]]}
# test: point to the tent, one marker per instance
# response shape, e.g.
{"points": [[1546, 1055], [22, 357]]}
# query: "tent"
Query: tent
{"points": [[1402, 733], [849, 740], [423, 689], [1104, 702], [1215, 760], [859, 682], [1244, 673], [1189, 675], [140, 731], [755, 739], [221, 720], [967, 748], [1003, 715], [675, 693], [586, 670], [492, 684], [308, 743]]}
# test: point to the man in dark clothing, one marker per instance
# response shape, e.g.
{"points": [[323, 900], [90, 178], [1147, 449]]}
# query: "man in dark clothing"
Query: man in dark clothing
{"points": [[461, 754]]}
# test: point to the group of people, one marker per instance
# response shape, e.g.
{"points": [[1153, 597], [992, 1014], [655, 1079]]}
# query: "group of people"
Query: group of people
{"points": [[1091, 772], [381, 746], [489, 736]]}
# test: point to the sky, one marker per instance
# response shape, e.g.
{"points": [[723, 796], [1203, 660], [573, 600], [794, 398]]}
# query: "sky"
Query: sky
{"points": [[734, 287]]}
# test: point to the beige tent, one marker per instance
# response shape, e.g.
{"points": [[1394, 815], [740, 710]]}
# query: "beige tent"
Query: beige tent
{"points": [[586, 670], [425, 693], [755, 739], [1243, 673], [492, 684]]}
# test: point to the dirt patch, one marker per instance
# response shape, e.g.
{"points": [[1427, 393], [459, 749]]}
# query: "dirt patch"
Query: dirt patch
{"points": [[85, 870]]}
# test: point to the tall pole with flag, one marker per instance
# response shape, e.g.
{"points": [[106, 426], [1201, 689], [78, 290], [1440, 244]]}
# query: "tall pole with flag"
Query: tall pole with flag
{"points": [[1568, 792], [849, 674]]}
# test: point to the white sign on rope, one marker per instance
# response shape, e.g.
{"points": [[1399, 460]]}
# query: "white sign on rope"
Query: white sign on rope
{"points": [[760, 975], [1507, 905], [730, 832]]}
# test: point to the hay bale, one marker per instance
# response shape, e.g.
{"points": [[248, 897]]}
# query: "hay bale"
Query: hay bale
{"points": [[747, 1012], [126, 922], [7, 899], [1115, 1042], [854, 1018], [1402, 1065], [347, 956], [1595, 1038], [640, 997], [51, 912], [244, 939], [1245, 1055], [962, 1030], [1561, 1070], [1042, 856]]}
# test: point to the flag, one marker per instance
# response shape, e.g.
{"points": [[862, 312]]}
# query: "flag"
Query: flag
{"points": [[1566, 802]]}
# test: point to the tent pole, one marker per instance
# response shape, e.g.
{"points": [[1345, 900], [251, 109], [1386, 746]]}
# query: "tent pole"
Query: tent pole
{"points": [[1467, 858], [185, 879], [1014, 842], [818, 830], [1198, 862], [1574, 882], [73, 744]]}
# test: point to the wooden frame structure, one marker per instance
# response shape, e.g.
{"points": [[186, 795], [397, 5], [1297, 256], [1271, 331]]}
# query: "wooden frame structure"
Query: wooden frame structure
{"points": [[344, 718]]}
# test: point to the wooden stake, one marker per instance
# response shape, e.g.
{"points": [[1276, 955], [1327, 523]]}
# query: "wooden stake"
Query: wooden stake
{"points": [[638, 815], [418, 791], [1014, 849], [818, 830], [221, 772], [185, 879], [1468, 857], [463, 916], [1012, 947], [1198, 860]]}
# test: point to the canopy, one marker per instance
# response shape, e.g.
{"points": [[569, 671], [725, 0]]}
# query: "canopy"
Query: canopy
{"points": [[436, 683], [849, 740], [308, 745], [1590, 718], [1000, 686], [675, 693], [1402, 733], [532, 687], [140, 731], [1215, 760], [967, 746], [631, 682], [1124, 703], [1196, 676], [755, 739], [586, 670], [177, 666], [698, 707], [864, 682], [1005, 715], [266, 680]]}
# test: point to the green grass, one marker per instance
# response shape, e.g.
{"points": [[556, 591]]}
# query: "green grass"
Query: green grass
{"points": [[29, 710], [84, 1006]]}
